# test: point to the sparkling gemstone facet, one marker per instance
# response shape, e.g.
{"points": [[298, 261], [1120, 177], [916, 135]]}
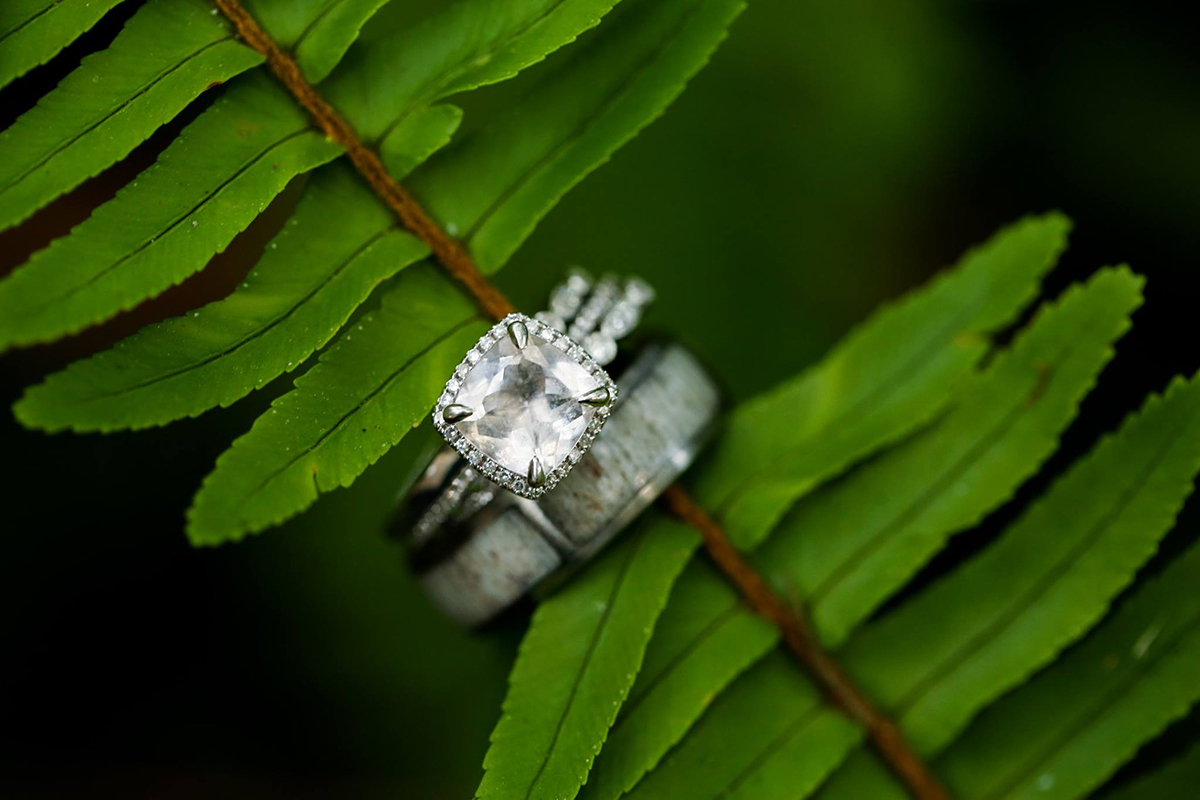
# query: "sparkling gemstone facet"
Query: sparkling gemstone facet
{"points": [[525, 404]]}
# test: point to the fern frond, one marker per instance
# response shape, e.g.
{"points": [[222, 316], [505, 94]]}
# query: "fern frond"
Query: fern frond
{"points": [[33, 31], [317, 33], [847, 548], [940, 658], [988, 625], [885, 380], [237, 156], [614, 86], [924, 428], [171, 220], [1039, 587], [169, 52], [1178, 778], [339, 245], [769, 735], [1118, 689], [468, 45], [418, 136], [705, 638], [862, 775], [73, 407], [576, 664], [364, 395], [1072, 337]]}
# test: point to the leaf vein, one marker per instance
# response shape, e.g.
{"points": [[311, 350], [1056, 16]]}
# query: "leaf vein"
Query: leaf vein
{"points": [[586, 663], [358, 406], [809, 716], [707, 632], [430, 91], [256, 333], [1025, 602], [146, 87], [601, 108], [324, 12], [21, 25], [1103, 706], [994, 436], [170, 227]]}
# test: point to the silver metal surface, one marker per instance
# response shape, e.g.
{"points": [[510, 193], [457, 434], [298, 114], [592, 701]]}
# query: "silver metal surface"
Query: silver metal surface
{"points": [[475, 565], [596, 397], [519, 334], [456, 413]]}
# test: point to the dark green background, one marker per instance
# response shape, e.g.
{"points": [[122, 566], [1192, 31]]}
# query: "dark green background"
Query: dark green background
{"points": [[831, 156]]}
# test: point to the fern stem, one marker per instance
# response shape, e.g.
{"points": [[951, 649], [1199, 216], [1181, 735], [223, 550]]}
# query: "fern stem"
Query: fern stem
{"points": [[837, 685], [447, 250], [454, 258]]}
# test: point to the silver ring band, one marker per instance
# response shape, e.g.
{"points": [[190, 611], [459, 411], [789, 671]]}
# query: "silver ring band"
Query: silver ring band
{"points": [[481, 564]]}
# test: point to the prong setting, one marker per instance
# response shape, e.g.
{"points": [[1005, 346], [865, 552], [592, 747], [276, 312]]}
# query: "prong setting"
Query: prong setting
{"points": [[597, 398], [536, 474], [519, 334], [533, 483], [456, 413]]}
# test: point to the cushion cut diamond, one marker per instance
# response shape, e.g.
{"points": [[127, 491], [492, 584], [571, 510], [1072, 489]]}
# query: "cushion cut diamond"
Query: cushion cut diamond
{"points": [[525, 404]]}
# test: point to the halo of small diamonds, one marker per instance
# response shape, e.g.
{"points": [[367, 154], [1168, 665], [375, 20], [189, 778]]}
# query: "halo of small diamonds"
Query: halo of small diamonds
{"points": [[484, 464]]}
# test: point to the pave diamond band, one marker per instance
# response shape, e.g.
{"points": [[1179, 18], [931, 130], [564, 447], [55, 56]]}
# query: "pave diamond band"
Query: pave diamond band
{"points": [[597, 314]]}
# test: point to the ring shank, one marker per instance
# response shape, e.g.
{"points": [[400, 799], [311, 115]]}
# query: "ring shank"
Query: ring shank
{"points": [[668, 411]]}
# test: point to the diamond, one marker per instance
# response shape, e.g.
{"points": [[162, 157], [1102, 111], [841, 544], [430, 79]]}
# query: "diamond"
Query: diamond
{"points": [[601, 346], [525, 404]]}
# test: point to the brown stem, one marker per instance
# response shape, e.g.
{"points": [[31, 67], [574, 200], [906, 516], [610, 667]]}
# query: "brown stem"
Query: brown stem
{"points": [[447, 250], [828, 674]]}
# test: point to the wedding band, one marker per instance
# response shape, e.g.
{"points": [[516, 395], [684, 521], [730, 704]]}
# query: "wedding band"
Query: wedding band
{"points": [[529, 395], [480, 564]]}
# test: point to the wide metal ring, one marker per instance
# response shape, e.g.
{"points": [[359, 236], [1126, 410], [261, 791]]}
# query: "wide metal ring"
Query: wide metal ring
{"points": [[481, 563]]}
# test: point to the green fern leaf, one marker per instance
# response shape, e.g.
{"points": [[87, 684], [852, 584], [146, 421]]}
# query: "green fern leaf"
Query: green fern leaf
{"points": [[770, 735], [885, 380], [468, 45], [705, 638], [317, 33], [1061, 735], [417, 136], [576, 664], [862, 775], [390, 88], [33, 31], [615, 85], [166, 224], [695, 622], [1072, 338], [1118, 689], [628, 121], [1050, 577], [848, 548], [226, 166], [341, 243], [991, 623], [364, 395], [167, 54], [104, 393], [1179, 778]]}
